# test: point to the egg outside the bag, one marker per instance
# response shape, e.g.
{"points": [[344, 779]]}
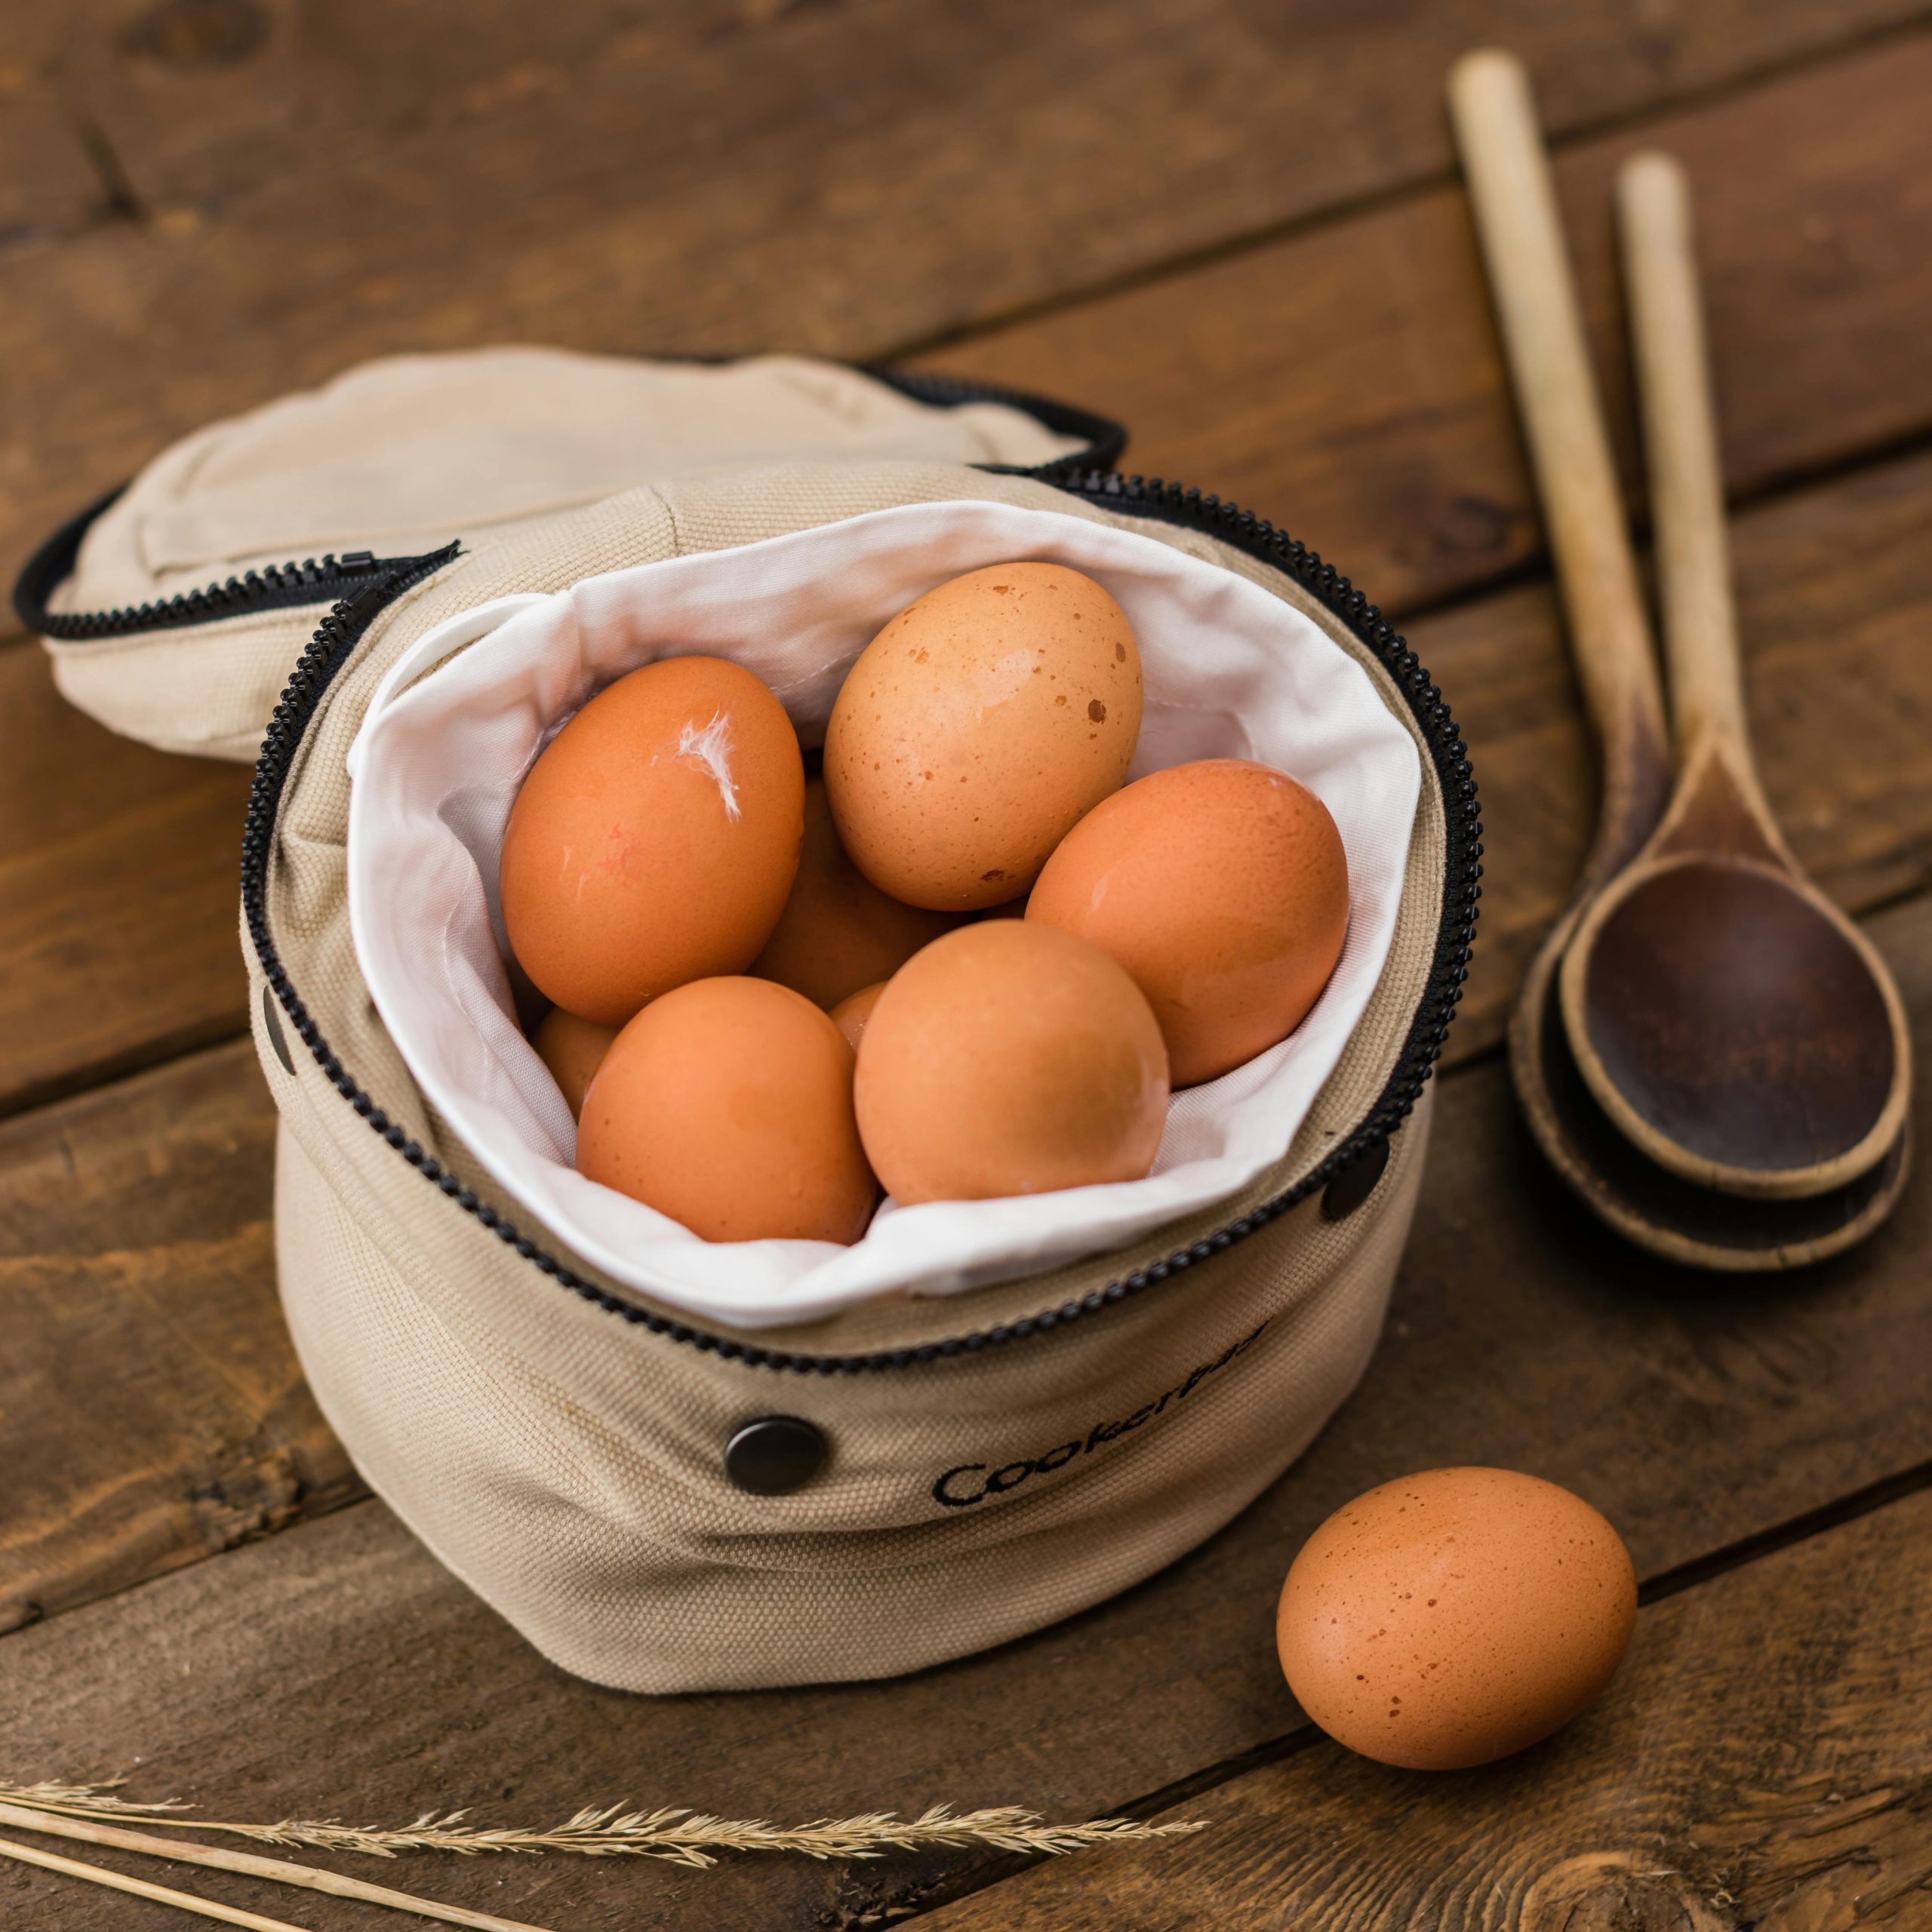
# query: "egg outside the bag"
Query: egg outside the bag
{"points": [[572, 1049], [1450, 1618], [1008, 1058], [655, 839], [838, 932], [1222, 888], [977, 727], [727, 1105]]}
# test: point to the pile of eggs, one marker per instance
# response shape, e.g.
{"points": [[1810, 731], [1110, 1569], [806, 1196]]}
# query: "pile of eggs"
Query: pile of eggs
{"points": [[771, 994]]}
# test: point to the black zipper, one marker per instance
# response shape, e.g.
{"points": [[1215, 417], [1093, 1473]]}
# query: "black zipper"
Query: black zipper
{"points": [[336, 639], [1103, 438], [276, 587], [288, 587]]}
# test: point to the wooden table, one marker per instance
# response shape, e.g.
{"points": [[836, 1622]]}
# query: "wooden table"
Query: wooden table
{"points": [[1235, 224]]}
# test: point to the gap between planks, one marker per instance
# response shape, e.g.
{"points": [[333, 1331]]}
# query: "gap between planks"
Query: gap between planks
{"points": [[1338, 213]]}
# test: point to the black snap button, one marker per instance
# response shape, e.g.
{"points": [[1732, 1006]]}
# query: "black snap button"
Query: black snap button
{"points": [[775, 1455], [1354, 1183], [272, 1020]]}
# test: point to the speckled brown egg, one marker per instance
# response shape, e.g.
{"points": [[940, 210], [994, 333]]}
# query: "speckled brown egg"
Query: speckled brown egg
{"points": [[838, 932], [977, 727], [1222, 888], [572, 1049], [655, 839], [852, 1012], [726, 1104], [1449, 1618], [1009, 1058]]}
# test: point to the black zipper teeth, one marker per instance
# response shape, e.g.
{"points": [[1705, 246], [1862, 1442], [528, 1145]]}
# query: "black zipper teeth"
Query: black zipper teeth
{"points": [[274, 587], [288, 587], [1103, 438], [337, 637]]}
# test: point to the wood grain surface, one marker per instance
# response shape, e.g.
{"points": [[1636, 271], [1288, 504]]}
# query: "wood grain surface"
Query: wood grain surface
{"points": [[845, 178], [118, 890], [1760, 1761], [335, 1666], [1235, 223], [1347, 382], [1264, 113], [150, 1410]]}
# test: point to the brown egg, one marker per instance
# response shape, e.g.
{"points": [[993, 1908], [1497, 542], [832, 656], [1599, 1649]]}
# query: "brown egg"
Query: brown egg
{"points": [[572, 1049], [1008, 1058], [1453, 1617], [852, 1012], [977, 728], [726, 1104], [838, 932], [1222, 888], [655, 839]]}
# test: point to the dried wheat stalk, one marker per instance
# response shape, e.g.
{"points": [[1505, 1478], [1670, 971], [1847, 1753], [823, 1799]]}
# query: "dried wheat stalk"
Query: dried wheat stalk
{"points": [[677, 1834], [32, 1818], [119, 1882]]}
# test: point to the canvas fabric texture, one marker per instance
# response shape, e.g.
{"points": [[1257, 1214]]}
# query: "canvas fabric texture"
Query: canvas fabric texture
{"points": [[399, 455], [567, 1463]]}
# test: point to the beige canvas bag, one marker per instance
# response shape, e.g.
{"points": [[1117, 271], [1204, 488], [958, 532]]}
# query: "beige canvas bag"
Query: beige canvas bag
{"points": [[659, 1503]]}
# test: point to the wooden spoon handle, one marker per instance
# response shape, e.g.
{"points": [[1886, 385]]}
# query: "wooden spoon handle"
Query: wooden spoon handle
{"points": [[1681, 451], [1536, 301]]}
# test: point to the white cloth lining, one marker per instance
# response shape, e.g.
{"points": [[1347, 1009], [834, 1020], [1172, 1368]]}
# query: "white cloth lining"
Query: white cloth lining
{"points": [[1229, 671]]}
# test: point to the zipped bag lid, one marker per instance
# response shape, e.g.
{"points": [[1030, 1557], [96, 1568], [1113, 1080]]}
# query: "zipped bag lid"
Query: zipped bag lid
{"points": [[403, 453]]}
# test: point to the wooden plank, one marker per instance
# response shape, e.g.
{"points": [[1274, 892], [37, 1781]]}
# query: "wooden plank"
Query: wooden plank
{"points": [[50, 183], [843, 179], [1348, 384], [1834, 600], [1759, 1761], [334, 1668], [1262, 119], [47, 183], [152, 1409], [118, 943]]}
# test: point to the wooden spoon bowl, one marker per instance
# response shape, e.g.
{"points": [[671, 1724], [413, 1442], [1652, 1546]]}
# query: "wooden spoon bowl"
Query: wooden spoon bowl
{"points": [[1669, 1216], [1736, 1027]]}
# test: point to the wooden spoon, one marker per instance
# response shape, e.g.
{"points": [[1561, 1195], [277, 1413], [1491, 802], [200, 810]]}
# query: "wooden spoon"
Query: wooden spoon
{"points": [[1516, 209], [1731, 1020]]}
